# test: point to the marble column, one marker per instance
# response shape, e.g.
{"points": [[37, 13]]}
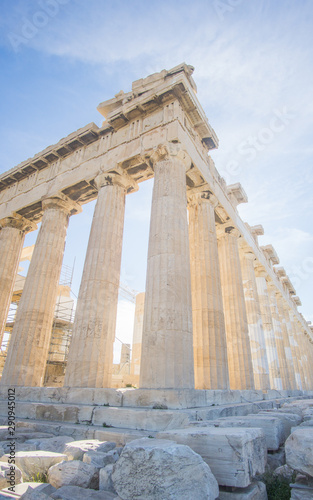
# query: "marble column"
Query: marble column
{"points": [[278, 333], [209, 335], [307, 364], [292, 335], [12, 234], [28, 350], [90, 360], [297, 342], [238, 344], [310, 362], [255, 325], [167, 345], [289, 361], [137, 334], [268, 327]]}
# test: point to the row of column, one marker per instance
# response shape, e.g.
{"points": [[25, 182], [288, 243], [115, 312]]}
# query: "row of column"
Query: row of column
{"points": [[211, 319]]}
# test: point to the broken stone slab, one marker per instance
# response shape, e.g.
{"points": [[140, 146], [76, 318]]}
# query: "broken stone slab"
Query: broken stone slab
{"points": [[105, 478], [301, 490], [271, 426], [157, 469], [255, 491], [288, 420], [74, 473], [235, 455], [284, 471], [307, 414], [56, 444], [100, 460], [299, 451], [31, 494], [307, 423], [77, 493], [35, 463], [20, 490], [10, 475], [300, 403], [76, 449]]}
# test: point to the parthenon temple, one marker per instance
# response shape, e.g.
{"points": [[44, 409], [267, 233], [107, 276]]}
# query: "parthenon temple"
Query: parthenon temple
{"points": [[218, 313]]}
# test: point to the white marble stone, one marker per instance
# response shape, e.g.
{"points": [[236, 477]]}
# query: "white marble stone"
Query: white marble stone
{"points": [[158, 469], [74, 473], [299, 451], [234, 455]]}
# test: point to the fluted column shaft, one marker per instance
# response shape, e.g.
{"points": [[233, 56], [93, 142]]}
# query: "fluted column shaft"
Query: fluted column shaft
{"points": [[28, 348], [297, 334], [90, 359], [167, 346], [255, 325], [289, 361], [278, 333], [302, 356], [306, 349], [209, 336], [238, 344], [269, 334], [137, 334], [293, 346], [12, 234]]}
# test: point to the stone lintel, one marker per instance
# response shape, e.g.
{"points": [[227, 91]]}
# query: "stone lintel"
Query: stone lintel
{"points": [[236, 194], [270, 254]]}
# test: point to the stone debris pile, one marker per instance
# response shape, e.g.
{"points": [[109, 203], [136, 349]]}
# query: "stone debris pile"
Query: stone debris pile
{"points": [[223, 458]]}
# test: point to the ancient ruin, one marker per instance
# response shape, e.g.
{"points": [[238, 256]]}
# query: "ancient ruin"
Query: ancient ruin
{"points": [[218, 323]]}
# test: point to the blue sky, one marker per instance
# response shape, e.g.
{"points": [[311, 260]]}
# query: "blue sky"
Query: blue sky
{"points": [[253, 69]]}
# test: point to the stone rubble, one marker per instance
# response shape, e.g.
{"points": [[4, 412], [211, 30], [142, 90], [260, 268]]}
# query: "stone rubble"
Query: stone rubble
{"points": [[185, 463], [76, 449], [74, 473], [158, 469]]}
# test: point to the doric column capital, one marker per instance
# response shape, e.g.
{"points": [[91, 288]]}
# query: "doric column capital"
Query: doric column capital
{"points": [[202, 195], [227, 230], [18, 222], [260, 270], [116, 177], [245, 249], [170, 151], [272, 287], [61, 202]]}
